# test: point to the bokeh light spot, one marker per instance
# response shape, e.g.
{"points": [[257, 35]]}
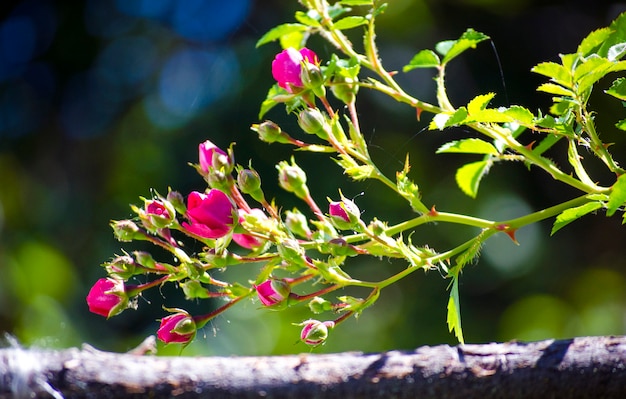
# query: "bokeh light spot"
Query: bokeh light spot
{"points": [[208, 20], [193, 79], [17, 44]]}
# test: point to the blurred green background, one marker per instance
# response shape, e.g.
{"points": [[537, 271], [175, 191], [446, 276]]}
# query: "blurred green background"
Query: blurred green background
{"points": [[102, 101]]}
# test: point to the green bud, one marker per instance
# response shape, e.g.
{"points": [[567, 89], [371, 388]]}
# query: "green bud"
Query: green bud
{"points": [[344, 89], [178, 202], [249, 182], [122, 267], [126, 230], [312, 121], [270, 132], [312, 78], [320, 305], [296, 222], [292, 178]]}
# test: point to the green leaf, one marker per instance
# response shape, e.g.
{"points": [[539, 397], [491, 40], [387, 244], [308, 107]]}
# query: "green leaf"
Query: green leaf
{"points": [[350, 22], [452, 48], [618, 89], [593, 40], [616, 51], [520, 114], [423, 59], [555, 89], [280, 31], [569, 215], [454, 310], [558, 73], [307, 19], [193, 289], [621, 124], [546, 143], [479, 103], [468, 176], [468, 146], [490, 116], [269, 101], [617, 196]]}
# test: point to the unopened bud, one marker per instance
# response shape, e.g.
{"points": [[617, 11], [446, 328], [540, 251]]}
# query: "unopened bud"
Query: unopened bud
{"points": [[296, 222], [292, 178], [312, 121], [319, 305], [315, 332], [270, 132], [126, 230]]}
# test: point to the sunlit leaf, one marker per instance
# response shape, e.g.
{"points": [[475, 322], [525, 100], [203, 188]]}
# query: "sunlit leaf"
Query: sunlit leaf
{"points": [[554, 71], [452, 48], [479, 103], [423, 59], [279, 31], [616, 51], [468, 176], [546, 143], [490, 115], [520, 114], [468, 146], [569, 215], [306, 19], [350, 22], [454, 311], [618, 89], [621, 124], [555, 89], [457, 117], [593, 40], [617, 196]]}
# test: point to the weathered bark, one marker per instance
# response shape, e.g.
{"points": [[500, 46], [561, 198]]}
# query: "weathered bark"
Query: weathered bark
{"points": [[591, 367]]}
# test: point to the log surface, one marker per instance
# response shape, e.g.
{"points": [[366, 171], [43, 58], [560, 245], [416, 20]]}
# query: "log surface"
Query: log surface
{"points": [[586, 367]]}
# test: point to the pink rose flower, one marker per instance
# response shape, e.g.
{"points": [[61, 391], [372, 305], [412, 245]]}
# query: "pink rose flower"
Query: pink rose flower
{"points": [[247, 240], [315, 332], [177, 328], [287, 67], [206, 153], [210, 215], [102, 298], [272, 292]]}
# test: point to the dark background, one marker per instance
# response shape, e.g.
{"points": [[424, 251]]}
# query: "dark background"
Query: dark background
{"points": [[102, 101]]}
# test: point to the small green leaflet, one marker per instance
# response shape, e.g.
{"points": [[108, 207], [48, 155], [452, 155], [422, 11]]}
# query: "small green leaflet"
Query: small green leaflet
{"points": [[557, 72], [593, 40], [280, 31], [618, 89], [452, 48], [569, 215], [454, 310], [350, 22], [468, 146], [423, 59], [555, 89], [468, 176], [617, 196]]}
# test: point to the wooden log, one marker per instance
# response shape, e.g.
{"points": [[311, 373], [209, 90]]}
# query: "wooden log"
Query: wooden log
{"points": [[586, 367]]}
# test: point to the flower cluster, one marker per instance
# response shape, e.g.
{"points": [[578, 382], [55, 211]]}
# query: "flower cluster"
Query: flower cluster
{"points": [[298, 255]]}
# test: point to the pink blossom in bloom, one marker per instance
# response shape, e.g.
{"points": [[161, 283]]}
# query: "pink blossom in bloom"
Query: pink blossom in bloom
{"points": [[206, 152], [102, 298], [177, 328], [247, 240], [272, 291], [287, 67], [210, 215]]}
